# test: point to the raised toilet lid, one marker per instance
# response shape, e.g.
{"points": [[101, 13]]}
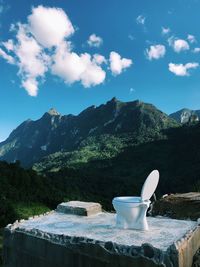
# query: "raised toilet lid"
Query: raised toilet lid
{"points": [[150, 185]]}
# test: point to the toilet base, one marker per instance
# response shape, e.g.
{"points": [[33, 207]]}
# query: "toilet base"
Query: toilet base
{"points": [[131, 215], [123, 224]]}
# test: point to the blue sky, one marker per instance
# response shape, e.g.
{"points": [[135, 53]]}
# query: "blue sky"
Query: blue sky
{"points": [[72, 54]]}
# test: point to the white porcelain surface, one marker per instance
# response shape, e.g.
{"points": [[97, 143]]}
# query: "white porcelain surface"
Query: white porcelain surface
{"points": [[131, 210]]}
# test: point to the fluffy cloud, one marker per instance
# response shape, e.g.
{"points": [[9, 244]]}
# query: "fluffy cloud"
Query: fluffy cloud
{"points": [[141, 19], [43, 45], [73, 68], [118, 64], [50, 26], [94, 40], [155, 52], [31, 86], [181, 69], [9, 45], [93, 74], [32, 60], [191, 38], [178, 44], [99, 59], [29, 57], [165, 30]]}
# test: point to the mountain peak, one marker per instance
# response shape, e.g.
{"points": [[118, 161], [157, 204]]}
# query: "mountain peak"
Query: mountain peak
{"points": [[113, 100], [53, 112]]}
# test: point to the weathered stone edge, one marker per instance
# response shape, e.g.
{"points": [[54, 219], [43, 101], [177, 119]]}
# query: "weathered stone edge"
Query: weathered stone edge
{"points": [[146, 250], [170, 257]]}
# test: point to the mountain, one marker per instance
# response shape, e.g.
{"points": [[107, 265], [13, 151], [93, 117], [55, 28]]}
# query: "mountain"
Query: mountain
{"points": [[177, 158], [186, 115], [113, 126]]}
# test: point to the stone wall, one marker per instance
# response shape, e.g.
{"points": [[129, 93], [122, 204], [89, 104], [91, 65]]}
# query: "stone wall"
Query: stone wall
{"points": [[42, 250]]}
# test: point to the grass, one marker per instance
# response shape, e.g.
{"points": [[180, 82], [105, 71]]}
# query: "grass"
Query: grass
{"points": [[23, 211]]}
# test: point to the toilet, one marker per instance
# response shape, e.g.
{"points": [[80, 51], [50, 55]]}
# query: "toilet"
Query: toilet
{"points": [[131, 210]]}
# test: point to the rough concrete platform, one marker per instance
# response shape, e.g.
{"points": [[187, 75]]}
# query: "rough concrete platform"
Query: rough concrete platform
{"points": [[64, 240]]}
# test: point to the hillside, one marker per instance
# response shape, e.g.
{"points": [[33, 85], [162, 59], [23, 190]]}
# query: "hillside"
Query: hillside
{"points": [[177, 158], [112, 126]]}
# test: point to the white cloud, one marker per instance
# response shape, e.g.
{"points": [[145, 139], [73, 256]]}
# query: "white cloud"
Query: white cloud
{"points": [[181, 69], [50, 26], [9, 45], [67, 64], [7, 57], [95, 40], [196, 50], [99, 59], [165, 30], [32, 60], [155, 52], [29, 57], [118, 64], [191, 38], [178, 45], [41, 45], [93, 74], [141, 19], [72, 67], [31, 86]]}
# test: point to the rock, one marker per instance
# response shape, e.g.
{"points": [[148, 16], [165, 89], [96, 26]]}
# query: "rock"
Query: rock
{"points": [[79, 208], [178, 206]]}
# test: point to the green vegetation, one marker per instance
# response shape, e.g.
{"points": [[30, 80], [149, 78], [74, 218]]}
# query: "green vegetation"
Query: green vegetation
{"points": [[176, 157], [24, 210], [101, 168], [22, 192], [20, 211]]}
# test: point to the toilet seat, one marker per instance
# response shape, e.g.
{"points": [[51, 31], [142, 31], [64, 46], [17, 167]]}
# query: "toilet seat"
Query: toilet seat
{"points": [[129, 201], [149, 186]]}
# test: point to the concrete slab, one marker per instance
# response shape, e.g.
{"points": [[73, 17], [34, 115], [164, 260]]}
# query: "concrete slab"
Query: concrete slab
{"points": [[79, 208], [96, 241]]}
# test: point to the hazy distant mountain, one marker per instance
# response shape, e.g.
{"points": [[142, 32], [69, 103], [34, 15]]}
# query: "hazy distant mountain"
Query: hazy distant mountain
{"points": [[186, 115], [116, 123]]}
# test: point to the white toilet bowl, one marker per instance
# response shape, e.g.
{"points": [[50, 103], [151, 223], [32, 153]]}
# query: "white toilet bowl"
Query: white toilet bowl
{"points": [[131, 210]]}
